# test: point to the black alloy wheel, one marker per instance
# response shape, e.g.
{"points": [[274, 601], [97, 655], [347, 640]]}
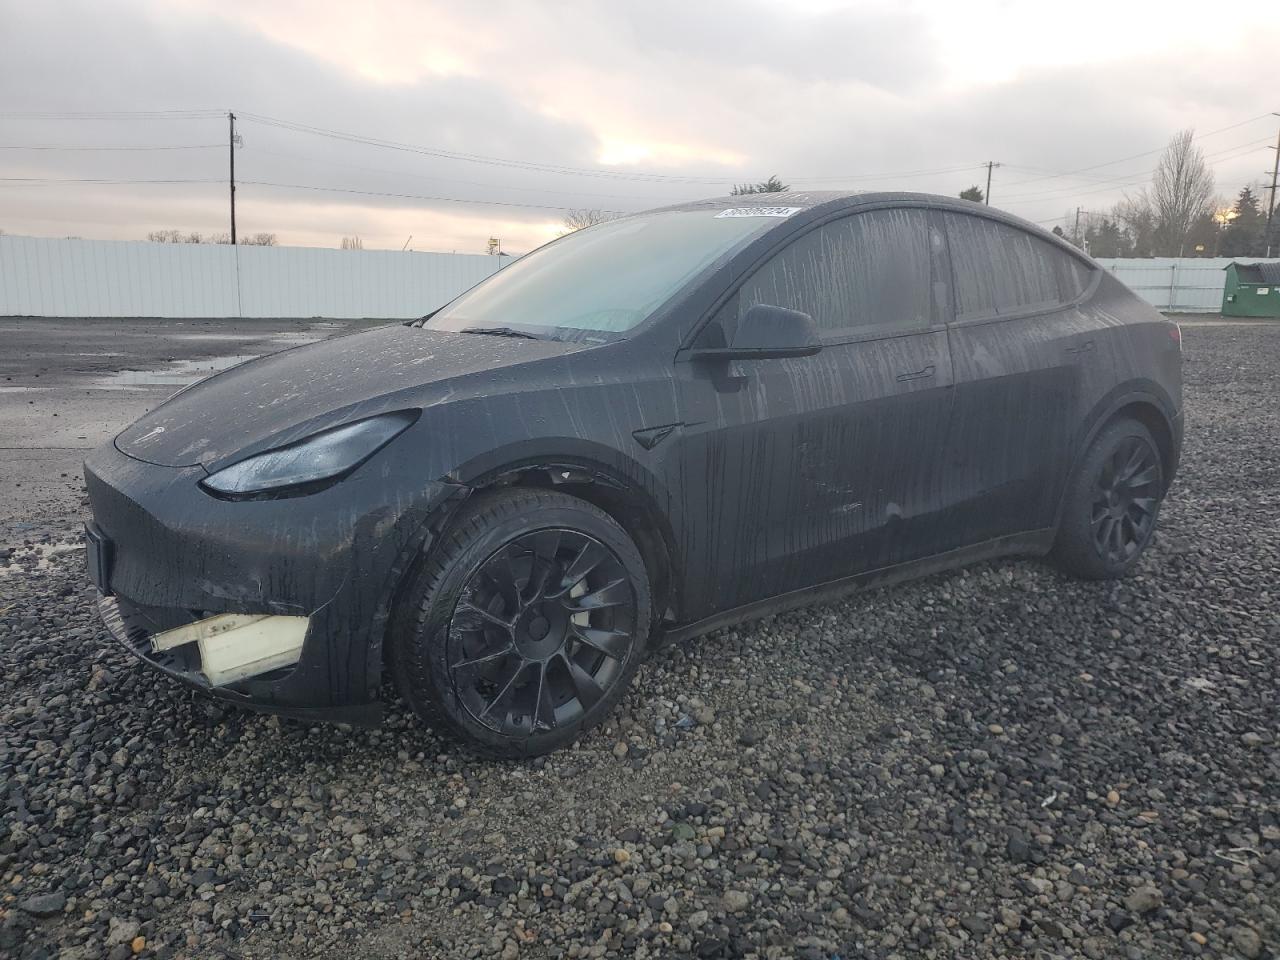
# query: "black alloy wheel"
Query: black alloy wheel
{"points": [[524, 623], [1125, 499], [1111, 503], [541, 632]]}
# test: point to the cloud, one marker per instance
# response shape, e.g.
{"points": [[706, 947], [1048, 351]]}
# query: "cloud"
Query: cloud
{"points": [[907, 95]]}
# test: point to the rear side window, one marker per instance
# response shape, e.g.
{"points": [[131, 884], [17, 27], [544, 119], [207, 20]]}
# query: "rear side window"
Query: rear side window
{"points": [[1075, 275], [1001, 270], [864, 273]]}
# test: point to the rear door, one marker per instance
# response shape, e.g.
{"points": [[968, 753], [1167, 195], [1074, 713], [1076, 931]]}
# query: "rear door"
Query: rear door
{"points": [[815, 468], [1022, 350]]}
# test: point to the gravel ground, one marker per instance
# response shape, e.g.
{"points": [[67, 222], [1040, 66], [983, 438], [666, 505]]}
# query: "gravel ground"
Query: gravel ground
{"points": [[994, 762]]}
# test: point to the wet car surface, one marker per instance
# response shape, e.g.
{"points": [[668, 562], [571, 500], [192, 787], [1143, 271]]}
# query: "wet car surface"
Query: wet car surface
{"points": [[646, 430]]}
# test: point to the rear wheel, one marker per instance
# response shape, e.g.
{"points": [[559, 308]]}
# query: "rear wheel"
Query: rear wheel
{"points": [[524, 625], [1112, 503]]}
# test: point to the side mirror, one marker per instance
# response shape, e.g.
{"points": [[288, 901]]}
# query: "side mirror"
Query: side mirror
{"points": [[766, 331]]}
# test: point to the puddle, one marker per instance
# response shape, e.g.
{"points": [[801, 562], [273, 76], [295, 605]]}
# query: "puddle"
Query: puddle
{"points": [[295, 339], [179, 373], [288, 339]]}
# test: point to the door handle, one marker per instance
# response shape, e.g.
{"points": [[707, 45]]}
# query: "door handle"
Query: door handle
{"points": [[924, 374]]}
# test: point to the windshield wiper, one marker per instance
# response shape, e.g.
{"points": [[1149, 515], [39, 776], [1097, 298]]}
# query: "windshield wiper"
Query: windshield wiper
{"points": [[501, 332]]}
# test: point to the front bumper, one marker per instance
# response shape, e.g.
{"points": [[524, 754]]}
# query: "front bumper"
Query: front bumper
{"points": [[133, 630], [164, 553]]}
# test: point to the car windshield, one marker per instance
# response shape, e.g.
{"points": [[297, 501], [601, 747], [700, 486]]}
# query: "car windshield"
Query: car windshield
{"points": [[602, 280]]}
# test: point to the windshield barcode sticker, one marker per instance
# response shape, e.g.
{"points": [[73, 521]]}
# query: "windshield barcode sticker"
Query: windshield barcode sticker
{"points": [[758, 212]]}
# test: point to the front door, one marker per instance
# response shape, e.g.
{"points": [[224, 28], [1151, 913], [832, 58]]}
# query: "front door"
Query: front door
{"points": [[815, 468]]}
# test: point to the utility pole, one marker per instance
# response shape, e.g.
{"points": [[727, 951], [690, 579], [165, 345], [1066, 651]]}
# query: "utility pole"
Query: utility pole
{"points": [[1076, 233], [1275, 173], [231, 152], [987, 197]]}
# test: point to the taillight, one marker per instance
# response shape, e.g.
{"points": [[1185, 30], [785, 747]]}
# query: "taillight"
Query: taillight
{"points": [[1175, 334]]}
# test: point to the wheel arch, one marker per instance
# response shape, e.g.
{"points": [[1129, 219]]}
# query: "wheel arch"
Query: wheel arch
{"points": [[1148, 403], [616, 484]]}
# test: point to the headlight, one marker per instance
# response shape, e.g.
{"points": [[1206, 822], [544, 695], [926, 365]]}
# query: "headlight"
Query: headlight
{"points": [[323, 456]]}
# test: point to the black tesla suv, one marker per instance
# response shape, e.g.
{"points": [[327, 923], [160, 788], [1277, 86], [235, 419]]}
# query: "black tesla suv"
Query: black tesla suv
{"points": [[640, 432]]}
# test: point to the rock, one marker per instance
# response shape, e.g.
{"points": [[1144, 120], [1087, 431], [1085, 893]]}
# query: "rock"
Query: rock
{"points": [[138, 945], [975, 925], [621, 855], [620, 749], [1144, 899], [735, 901], [1118, 920], [121, 931], [1018, 849], [44, 904], [1247, 941], [1010, 918]]}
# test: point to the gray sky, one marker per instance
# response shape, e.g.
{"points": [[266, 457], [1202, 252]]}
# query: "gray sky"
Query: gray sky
{"points": [[619, 106]]}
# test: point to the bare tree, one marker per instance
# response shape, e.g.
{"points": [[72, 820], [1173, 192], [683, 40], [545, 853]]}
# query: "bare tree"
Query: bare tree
{"points": [[1138, 217], [1181, 192], [577, 219], [195, 236], [352, 243]]}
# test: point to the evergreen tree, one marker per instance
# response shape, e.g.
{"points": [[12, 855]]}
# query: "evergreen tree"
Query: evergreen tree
{"points": [[973, 193], [1243, 236], [772, 185]]}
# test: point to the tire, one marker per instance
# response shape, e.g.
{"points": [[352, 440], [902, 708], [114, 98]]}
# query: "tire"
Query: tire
{"points": [[1112, 502], [525, 623]]}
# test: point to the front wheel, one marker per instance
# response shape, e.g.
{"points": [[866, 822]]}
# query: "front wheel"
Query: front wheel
{"points": [[523, 627], [1111, 504]]}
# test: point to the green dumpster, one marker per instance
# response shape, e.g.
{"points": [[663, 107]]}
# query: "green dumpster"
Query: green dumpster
{"points": [[1252, 290]]}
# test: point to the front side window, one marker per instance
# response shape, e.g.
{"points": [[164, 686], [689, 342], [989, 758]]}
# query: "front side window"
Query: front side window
{"points": [[603, 280], [865, 273]]}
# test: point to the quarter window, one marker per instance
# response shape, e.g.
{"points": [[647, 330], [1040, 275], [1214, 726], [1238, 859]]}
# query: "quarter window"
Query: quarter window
{"points": [[864, 273], [1001, 270]]}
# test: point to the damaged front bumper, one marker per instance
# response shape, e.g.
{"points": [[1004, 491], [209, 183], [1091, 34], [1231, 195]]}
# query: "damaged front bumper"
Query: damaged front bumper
{"points": [[277, 605], [233, 677]]}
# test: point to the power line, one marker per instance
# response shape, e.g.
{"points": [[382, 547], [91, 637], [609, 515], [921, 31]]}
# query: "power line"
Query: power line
{"points": [[476, 158], [37, 181], [421, 176], [185, 146], [117, 115], [1217, 157], [562, 169], [1145, 153], [409, 196]]}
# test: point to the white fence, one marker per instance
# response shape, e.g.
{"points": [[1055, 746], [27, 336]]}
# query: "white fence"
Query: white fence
{"points": [[1176, 284], [109, 278]]}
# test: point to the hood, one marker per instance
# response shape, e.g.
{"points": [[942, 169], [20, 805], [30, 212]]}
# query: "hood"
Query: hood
{"points": [[288, 395]]}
